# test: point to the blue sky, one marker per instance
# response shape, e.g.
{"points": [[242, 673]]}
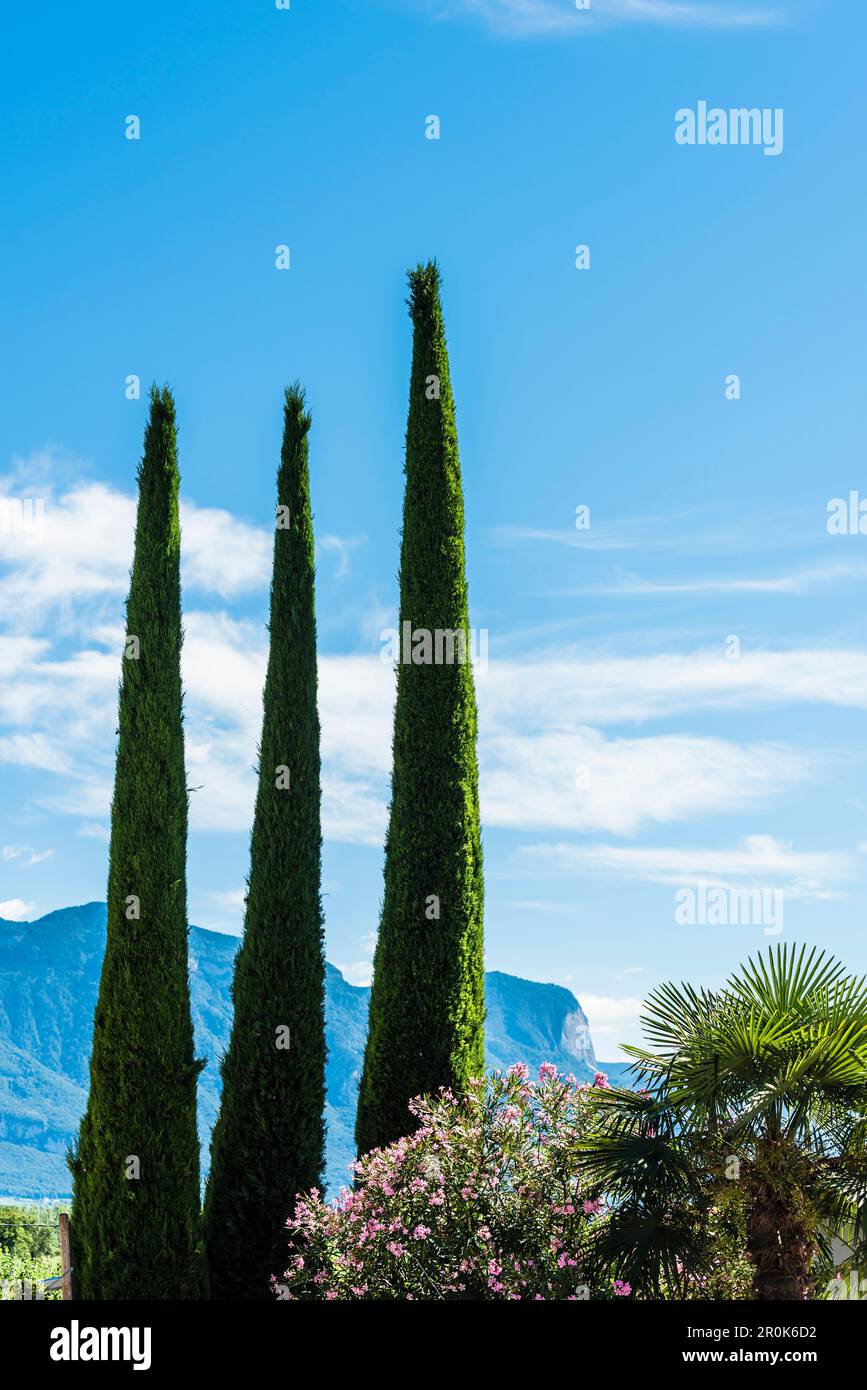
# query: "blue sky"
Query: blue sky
{"points": [[624, 754]]}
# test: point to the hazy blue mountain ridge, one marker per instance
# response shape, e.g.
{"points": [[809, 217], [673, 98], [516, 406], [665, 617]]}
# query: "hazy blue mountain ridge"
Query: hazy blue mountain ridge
{"points": [[49, 976]]}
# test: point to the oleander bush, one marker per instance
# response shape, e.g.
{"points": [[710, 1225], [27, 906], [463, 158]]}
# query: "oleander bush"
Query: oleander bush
{"points": [[482, 1201]]}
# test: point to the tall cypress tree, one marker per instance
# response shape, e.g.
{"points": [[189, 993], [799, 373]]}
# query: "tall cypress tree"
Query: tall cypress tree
{"points": [[135, 1214], [426, 1026], [268, 1141]]}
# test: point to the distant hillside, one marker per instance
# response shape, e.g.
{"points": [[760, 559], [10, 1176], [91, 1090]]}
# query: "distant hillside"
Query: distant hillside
{"points": [[49, 975]]}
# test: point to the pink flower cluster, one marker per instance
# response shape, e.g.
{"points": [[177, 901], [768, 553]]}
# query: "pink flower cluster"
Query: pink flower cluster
{"points": [[482, 1200]]}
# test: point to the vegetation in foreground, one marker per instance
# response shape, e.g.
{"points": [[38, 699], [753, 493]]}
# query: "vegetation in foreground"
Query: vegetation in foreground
{"points": [[29, 1250], [751, 1102], [725, 1175]]}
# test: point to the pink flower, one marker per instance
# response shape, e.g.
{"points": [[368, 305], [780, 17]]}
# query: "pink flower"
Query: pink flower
{"points": [[519, 1069], [601, 1080], [421, 1232], [547, 1071], [622, 1289]]}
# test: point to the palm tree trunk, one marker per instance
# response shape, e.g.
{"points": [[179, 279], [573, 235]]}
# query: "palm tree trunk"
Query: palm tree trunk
{"points": [[778, 1243]]}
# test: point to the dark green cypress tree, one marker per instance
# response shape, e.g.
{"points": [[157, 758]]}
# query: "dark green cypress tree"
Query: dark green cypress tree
{"points": [[427, 1010], [135, 1214], [269, 1137]]}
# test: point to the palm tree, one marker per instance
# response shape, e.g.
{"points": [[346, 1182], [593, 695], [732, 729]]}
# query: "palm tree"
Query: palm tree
{"points": [[750, 1100]]}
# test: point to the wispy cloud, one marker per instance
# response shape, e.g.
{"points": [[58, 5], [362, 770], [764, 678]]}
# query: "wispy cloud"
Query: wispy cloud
{"points": [[759, 860], [547, 761], [24, 855], [563, 19], [627, 533], [797, 582], [340, 546], [690, 531], [583, 781]]}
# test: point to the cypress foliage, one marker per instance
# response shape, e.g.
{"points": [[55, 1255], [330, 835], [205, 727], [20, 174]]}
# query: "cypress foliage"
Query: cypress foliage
{"points": [[135, 1214], [426, 1026], [268, 1141]]}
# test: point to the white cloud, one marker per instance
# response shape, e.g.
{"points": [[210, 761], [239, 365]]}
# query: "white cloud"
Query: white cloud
{"points": [[25, 854], [17, 653], [222, 911], [83, 553], [570, 688], [541, 724], [561, 18], [536, 905], [582, 781], [698, 531], [360, 972], [342, 547], [798, 582], [759, 860], [613, 1020], [16, 910], [627, 533], [84, 550], [222, 554], [233, 898], [35, 751], [542, 716], [224, 669], [92, 830]]}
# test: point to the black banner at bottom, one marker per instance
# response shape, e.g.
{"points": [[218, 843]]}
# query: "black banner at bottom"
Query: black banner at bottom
{"points": [[199, 1339]]}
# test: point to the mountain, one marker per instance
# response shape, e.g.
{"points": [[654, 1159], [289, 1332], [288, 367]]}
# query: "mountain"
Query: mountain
{"points": [[49, 975]]}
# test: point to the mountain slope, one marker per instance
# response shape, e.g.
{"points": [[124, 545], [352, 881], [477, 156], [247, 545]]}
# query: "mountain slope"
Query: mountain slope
{"points": [[49, 974]]}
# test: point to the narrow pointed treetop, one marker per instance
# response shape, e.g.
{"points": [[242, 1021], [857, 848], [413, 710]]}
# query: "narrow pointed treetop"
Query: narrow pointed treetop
{"points": [[268, 1142], [427, 1010], [135, 1216]]}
